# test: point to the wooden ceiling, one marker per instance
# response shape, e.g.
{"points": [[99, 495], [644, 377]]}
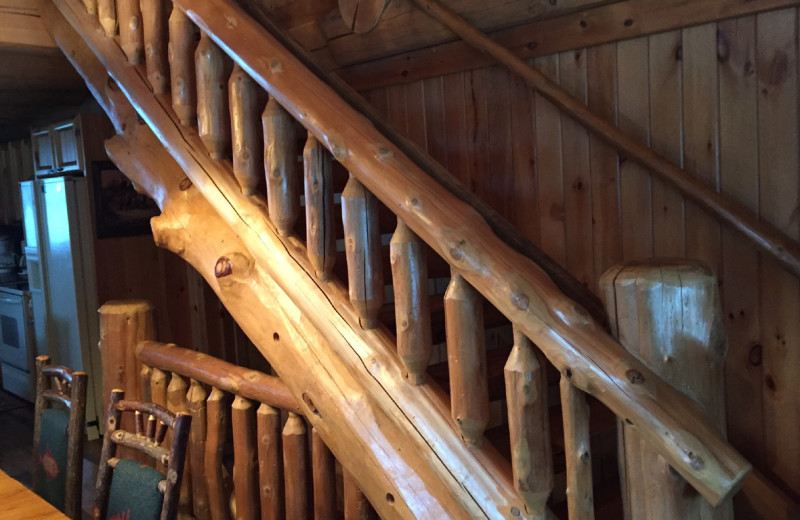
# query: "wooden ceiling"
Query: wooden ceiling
{"points": [[35, 78]]}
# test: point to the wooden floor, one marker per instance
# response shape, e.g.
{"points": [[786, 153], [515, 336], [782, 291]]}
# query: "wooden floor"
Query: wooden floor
{"points": [[16, 447]]}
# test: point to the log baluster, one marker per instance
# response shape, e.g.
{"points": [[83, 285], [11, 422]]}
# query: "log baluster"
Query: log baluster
{"points": [[363, 250], [280, 166], [320, 238], [182, 43], [216, 413], [91, 6], [356, 505], [158, 387], [212, 70], [246, 101], [295, 467], [270, 462], [245, 459], [144, 377], [107, 15], [196, 402], [154, 28], [575, 412], [411, 302], [466, 359], [177, 402], [531, 452], [131, 38], [323, 465]]}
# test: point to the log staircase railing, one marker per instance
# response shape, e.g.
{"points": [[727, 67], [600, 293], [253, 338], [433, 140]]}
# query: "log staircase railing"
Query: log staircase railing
{"points": [[275, 468], [233, 64]]}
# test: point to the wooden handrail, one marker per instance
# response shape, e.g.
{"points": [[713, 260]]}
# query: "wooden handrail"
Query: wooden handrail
{"points": [[766, 236], [217, 373]]}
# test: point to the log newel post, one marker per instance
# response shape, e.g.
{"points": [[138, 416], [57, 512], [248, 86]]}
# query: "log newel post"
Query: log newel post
{"points": [[668, 314], [213, 70], [362, 243], [182, 43], [123, 324], [528, 424], [411, 302], [318, 183], [280, 167], [466, 359], [246, 102]]}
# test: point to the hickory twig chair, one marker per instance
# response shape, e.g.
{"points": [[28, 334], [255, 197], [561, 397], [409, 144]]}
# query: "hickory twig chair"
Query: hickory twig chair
{"points": [[127, 489], [58, 436]]}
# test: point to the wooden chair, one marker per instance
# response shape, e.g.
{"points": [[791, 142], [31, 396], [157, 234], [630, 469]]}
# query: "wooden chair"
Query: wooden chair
{"points": [[58, 436], [127, 489]]}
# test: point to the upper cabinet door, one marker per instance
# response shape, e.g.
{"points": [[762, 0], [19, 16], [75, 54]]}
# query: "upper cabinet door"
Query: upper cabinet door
{"points": [[66, 142], [43, 157]]}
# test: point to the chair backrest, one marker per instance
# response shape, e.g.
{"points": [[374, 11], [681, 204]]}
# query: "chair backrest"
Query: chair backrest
{"points": [[126, 489], [58, 435]]}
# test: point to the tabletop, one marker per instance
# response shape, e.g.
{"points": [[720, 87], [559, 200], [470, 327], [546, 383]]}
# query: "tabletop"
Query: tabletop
{"points": [[20, 503]]}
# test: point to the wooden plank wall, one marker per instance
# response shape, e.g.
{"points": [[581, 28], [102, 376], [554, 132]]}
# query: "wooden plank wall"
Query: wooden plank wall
{"points": [[720, 99]]}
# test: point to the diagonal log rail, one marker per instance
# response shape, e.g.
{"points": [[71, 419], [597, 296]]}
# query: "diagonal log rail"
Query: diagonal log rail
{"points": [[763, 234], [576, 345]]}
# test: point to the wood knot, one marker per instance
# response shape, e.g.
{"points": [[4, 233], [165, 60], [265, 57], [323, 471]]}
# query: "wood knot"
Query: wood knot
{"points": [[231, 22], [520, 300], [223, 267], [384, 153], [185, 184], [695, 461], [634, 376]]}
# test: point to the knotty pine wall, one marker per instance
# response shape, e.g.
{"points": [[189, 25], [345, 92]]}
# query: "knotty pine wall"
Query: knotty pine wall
{"points": [[722, 100]]}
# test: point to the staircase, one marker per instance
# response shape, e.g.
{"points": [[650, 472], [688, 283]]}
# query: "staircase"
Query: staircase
{"points": [[344, 317]]}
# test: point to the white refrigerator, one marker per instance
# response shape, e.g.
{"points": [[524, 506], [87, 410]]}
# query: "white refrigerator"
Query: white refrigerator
{"points": [[61, 275]]}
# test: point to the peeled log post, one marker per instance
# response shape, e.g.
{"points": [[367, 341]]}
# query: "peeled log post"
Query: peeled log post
{"points": [[196, 402], [215, 445], [575, 412], [356, 505], [213, 125], [107, 16], [177, 391], [154, 26], [411, 302], [270, 462], [280, 167], [531, 452], [182, 43], [323, 465], [123, 324], [295, 467], [466, 359], [320, 237], [245, 461], [245, 102], [362, 239], [668, 314], [130, 30]]}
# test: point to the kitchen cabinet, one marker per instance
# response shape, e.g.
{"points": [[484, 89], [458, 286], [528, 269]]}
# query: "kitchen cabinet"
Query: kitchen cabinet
{"points": [[58, 148]]}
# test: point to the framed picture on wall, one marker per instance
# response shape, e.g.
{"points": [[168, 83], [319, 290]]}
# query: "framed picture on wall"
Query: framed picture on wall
{"points": [[119, 210]]}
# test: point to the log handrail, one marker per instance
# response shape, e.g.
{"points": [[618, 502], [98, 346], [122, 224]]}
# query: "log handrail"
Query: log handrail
{"points": [[217, 373], [763, 234], [578, 347]]}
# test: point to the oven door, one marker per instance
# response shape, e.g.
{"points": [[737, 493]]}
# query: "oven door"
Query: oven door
{"points": [[13, 330]]}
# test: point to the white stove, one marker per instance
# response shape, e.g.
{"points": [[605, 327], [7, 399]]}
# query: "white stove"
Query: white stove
{"points": [[17, 344]]}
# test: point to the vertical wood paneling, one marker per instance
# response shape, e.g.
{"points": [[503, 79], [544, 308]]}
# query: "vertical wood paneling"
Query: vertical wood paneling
{"points": [[634, 117], [666, 130], [549, 169], [701, 145], [601, 64], [477, 125], [455, 120], [575, 161], [524, 196], [776, 71], [436, 137], [499, 176], [739, 178], [415, 116], [396, 110]]}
